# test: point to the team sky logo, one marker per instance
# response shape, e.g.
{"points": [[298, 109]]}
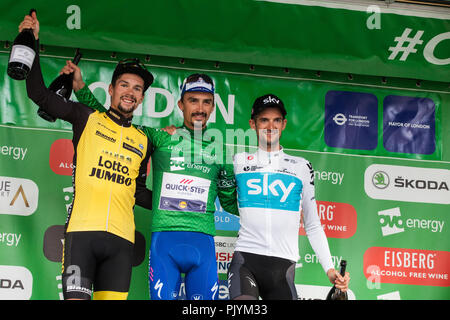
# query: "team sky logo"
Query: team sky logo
{"points": [[258, 189]]}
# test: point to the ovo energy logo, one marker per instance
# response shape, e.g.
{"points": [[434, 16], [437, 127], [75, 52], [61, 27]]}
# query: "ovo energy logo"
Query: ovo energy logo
{"points": [[392, 223]]}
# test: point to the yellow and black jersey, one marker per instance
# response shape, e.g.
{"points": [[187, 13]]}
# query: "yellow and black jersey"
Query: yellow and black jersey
{"points": [[110, 163]]}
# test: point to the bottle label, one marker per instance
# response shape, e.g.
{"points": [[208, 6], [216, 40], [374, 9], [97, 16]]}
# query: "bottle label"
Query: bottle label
{"points": [[23, 54]]}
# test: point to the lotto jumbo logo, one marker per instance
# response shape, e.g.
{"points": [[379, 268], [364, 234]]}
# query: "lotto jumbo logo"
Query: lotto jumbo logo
{"points": [[410, 184], [18, 196]]}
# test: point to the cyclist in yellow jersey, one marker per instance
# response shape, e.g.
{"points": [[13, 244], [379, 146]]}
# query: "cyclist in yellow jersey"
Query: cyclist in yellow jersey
{"points": [[110, 169]]}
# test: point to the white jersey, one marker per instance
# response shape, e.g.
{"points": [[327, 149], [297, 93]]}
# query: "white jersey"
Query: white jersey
{"points": [[272, 189]]}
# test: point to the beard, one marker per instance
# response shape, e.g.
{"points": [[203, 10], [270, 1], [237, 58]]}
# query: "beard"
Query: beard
{"points": [[198, 123], [269, 139], [127, 110]]}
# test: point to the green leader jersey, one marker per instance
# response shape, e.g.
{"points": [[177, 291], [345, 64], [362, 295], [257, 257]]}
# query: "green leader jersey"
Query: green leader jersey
{"points": [[188, 174]]}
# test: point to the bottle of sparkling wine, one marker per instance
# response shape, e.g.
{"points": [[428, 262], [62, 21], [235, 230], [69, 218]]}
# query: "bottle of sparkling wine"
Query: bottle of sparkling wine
{"points": [[22, 54], [62, 86], [335, 293]]}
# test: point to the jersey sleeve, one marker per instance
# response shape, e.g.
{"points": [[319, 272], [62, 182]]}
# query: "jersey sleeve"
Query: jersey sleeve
{"points": [[313, 227], [226, 189], [143, 195], [49, 101], [157, 137], [85, 96]]}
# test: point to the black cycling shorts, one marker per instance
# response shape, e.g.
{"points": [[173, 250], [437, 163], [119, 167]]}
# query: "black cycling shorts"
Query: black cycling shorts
{"points": [[253, 276], [96, 261]]}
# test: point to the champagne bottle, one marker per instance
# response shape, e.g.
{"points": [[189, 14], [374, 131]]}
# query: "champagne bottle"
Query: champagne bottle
{"points": [[335, 293], [62, 86], [22, 54]]}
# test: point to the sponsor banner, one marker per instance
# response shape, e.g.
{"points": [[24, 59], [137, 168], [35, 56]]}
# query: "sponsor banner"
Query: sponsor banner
{"points": [[184, 193], [407, 266], [351, 120], [411, 184], [339, 220], [18, 196], [224, 252], [340, 36], [61, 157], [406, 203], [13, 152], [225, 221], [392, 222], [409, 125], [311, 292], [395, 295], [16, 283]]}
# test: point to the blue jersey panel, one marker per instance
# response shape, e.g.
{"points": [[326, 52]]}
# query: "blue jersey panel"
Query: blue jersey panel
{"points": [[269, 190]]}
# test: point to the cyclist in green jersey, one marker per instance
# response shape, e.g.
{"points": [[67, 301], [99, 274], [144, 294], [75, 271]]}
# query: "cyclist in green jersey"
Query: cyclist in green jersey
{"points": [[187, 178]]}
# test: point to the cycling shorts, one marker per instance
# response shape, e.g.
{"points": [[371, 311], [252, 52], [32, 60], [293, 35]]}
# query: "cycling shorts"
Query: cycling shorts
{"points": [[175, 252], [253, 276], [96, 261]]}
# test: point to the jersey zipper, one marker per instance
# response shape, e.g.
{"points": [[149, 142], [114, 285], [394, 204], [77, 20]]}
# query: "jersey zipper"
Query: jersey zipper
{"points": [[110, 190]]}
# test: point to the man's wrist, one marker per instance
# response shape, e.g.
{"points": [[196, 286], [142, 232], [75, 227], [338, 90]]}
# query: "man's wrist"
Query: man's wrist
{"points": [[79, 86]]}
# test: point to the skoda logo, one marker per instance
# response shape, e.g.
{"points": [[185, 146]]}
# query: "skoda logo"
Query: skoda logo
{"points": [[380, 180], [340, 119]]}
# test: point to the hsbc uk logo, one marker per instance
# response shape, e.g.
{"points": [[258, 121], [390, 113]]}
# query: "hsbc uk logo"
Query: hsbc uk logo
{"points": [[391, 222]]}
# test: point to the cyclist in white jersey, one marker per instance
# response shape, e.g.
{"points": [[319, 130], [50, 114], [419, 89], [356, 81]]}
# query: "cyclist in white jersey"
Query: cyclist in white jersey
{"points": [[272, 188]]}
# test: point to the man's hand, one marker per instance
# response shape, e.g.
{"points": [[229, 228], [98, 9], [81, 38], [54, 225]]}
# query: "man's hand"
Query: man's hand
{"points": [[30, 22], [339, 281], [170, 129], [69, 68]]}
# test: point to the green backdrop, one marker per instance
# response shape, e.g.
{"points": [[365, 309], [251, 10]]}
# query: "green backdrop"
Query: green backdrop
{"points": [[377, 137]]}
